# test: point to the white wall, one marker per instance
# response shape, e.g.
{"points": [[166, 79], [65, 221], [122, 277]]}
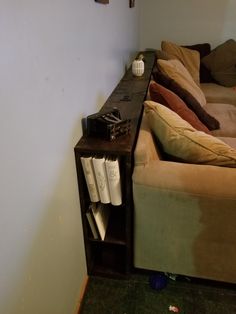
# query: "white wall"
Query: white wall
{"points": [[187, 22], [59, 61]]}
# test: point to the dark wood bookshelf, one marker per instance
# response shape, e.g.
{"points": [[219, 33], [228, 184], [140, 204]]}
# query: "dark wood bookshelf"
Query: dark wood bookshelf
{"points": [[114, 256]]}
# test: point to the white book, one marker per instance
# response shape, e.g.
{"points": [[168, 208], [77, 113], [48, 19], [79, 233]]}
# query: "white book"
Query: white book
{"points": [[114, 182], [92, 224], [101, 178], [101, 213], [90, 178]]}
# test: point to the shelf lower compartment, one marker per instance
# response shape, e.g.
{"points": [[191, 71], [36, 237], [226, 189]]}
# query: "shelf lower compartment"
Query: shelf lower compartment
{"points": [[108, 259], [116, 227]]}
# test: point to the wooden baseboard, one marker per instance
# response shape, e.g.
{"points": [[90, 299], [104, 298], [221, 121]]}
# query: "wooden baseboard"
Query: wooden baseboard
{"points": [[82, 293]]}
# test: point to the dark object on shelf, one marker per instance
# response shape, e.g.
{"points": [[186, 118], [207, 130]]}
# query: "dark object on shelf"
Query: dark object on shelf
{"points": [[102, 1], [107, 125], [131, 3]]}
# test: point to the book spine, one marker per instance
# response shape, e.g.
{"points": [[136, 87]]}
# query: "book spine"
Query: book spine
{"points": [[114, 182], [101, 178], [87, 166], [92, 224]]}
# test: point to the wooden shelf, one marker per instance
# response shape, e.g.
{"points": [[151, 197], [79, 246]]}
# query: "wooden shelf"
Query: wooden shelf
{"points": [[115, 233], [114, 256]]}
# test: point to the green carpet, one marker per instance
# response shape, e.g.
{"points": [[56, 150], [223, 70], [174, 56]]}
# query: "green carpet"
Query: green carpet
{"points": [[135, 296]]}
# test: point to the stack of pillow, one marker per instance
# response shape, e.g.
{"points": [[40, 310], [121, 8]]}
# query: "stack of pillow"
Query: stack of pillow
{"points": [[178, 70], [176, 111]]}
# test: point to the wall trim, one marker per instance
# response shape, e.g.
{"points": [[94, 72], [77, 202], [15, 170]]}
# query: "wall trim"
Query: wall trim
{"points": [[82, 293]]}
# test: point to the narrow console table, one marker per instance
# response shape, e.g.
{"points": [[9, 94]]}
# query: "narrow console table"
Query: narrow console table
{"points": [[113, 256]]}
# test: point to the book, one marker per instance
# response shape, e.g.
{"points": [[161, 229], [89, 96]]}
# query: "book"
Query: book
{"points": [[101, 213], [114, 182], [92, 223], [87, 166], [101, 179]]}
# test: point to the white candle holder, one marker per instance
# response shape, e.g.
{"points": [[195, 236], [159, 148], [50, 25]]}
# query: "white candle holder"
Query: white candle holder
{"points": [[138, 66]]}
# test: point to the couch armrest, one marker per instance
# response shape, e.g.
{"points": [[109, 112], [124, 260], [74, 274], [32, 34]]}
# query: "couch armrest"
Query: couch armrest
{"points": [[146, 149], [151, 171], [204, 180], [184, 215], [184, 219]]}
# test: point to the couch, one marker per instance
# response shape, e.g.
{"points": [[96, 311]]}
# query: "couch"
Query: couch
{"points": [[185, 209]]}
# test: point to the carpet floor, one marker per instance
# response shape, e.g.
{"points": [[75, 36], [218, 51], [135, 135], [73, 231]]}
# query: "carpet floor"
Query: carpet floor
{"points": [[135, 296]]}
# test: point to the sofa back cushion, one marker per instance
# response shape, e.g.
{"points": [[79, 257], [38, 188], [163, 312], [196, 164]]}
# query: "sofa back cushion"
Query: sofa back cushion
{"points": [[222, 63], [204, 49], [181, 140]]}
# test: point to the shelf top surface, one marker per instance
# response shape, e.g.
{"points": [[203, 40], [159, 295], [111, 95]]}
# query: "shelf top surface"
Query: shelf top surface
{"points": [[128, 97]]}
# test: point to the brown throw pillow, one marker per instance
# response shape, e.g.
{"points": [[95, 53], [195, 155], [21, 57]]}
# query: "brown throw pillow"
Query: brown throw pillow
{"points": [[210, 122], [221, 62], [204, 49], [166, 97]]}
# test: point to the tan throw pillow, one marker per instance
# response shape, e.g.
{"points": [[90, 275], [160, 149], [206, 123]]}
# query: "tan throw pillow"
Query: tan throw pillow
{"points": [[222, 63], [160, 54], [189, 58], [181, 140], [177, 71]]}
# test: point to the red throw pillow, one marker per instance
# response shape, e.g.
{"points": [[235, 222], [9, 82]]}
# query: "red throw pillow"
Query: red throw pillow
{"points": [[164, 96]]}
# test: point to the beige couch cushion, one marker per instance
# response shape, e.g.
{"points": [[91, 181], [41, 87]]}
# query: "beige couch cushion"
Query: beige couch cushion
{"points": [[176, 70], [190, 58], [181, 140], [219, 94], [226, 115]]}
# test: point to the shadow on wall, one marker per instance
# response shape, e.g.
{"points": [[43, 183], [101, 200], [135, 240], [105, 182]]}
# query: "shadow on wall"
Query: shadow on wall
{"points": [[55, 266]]}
